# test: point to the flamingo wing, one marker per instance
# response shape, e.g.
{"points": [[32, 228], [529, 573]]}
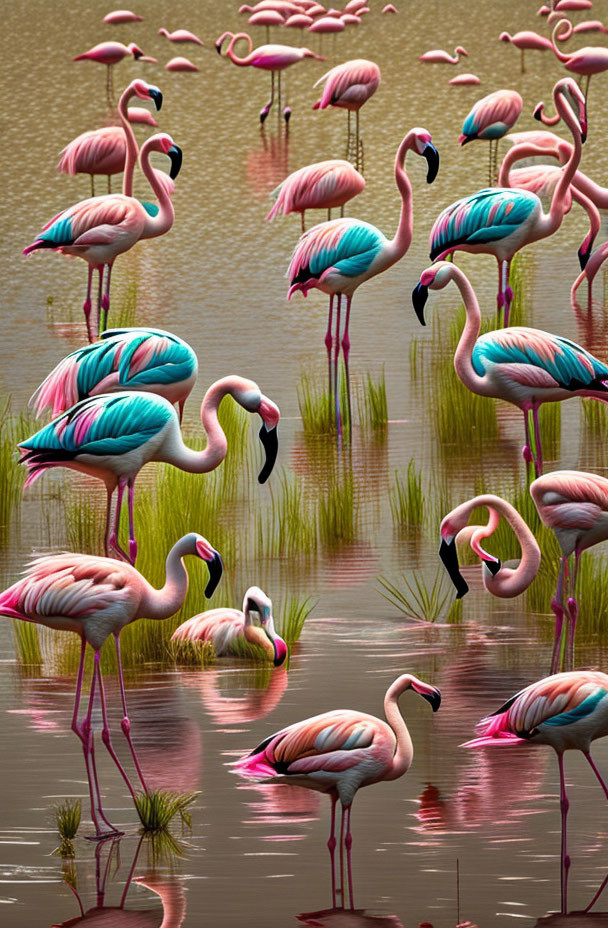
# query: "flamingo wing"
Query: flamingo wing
{"points": [[345, 245], [89, 222], [480, 219], [154, 357]]}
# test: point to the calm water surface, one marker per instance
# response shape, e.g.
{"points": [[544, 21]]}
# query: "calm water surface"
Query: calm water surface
{"points": [[256, 854]]}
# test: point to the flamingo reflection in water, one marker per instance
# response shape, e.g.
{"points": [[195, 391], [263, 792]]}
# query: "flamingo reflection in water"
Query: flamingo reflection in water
{"points": [[238, 697]]}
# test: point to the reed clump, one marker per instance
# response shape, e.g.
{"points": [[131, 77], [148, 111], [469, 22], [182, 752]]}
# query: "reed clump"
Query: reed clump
{"points": [[67, 816], [595, 417], [294, 613], [407, 500], [338, 512], [187, 653], [416, 599], [27, 643], [157, 809], [124, 310], [550, 421], [372, 404], [288, 528], [316, 406], [13, 429]]}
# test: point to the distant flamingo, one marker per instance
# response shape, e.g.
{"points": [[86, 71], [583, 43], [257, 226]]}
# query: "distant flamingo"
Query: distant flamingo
{"points": [[118, 17], [575, 506], [349, 86], [584, 61], [502, 221], [350, 19], [269, 58], [464, 79], [145, 360], [353, 6], [110, 53], [325, 185], [139, 115], [96, 597], [491, 118], [599, 256], [326, 25], [181, 64], [298, 21], [524, 366], [561, 149], [180, 35], [567, 711], [336, 257], [112, 436], [503, 582], [439, 56], [101, 228], [589, 25], [339, 752], [267, 18], [111, 149], [527, 40], [226, 627], [389, 8]]}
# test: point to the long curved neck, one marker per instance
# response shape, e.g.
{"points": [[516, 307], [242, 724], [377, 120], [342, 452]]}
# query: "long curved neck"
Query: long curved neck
{"points": [[160, 604], [599, 195], [132, 149], [405, 230], [556, 213], [243, 62], [595, 220], [201, 462], [566, 35], [404, 754], [517, 153], [162, 222], [463, 363]]}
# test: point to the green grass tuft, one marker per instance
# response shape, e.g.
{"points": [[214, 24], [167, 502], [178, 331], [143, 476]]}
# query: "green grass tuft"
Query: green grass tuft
{"points": [[372, 404], [294, 613], [416, 599], [67, 816], [188, 653], [338, 512], [316, 407], [407, 500], [289, 527], [157, 810], [27, 643]]}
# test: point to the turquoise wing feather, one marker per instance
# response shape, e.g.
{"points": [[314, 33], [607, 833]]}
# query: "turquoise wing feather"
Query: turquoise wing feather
{"points": [[484, 217], [348, 245], [585, 708]]}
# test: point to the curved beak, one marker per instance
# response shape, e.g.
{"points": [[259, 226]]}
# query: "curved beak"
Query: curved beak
{"points": [[433, 696], [280, 651], [583, 257], [157, 97], [216, 567], [465, 139], [493, 565], [420, 295], [432, 157], [270, 444], [449, 558], [175, 154]]}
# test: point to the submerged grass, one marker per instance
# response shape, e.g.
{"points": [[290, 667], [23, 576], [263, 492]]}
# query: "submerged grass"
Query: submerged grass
{"points": [[67, 816], [407, 500], [372, 404], [157, 809], [289, 527], [550, 421], [338, 512], [416, 599], [316, 406], [13, 429]]}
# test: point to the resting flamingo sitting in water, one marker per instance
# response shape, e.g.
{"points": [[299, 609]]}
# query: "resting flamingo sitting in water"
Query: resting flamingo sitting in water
{"points": [[501, 221], [324, 185], [566, 711], [96, 597], [101, 228], [112, 436], [226, 627], [339, 752], [524, 366]]}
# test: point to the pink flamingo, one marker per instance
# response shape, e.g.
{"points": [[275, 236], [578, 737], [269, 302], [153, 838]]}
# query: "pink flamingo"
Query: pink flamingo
{"points": [[491, 118], [349, 86], [589, 25], [119, 17], [111, 149], [599, 256], [524, 366], [181, 64], [389, 8], [566, 711], [180, 35], [339, 752], [562, 150], [502, 221], [584, 61], [225, 628], [298, 21], [273, 58], [526, 40], [353, 6], [101, 228], [439, 56], [96, 597], [112, 436], [325, 185], [464, 79], [327, 25], [336, 257], [140, 116], [350, 19], [110, 53]]}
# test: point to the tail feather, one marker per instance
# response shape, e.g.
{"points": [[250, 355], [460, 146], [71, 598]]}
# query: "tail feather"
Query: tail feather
{"points": [[255, 766]]}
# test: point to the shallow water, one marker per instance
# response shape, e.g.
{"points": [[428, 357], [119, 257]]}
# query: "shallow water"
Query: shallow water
{"points": [[256, 854]]}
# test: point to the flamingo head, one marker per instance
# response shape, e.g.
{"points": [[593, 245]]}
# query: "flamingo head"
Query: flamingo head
{"points": [[257, 601], [135, 50], [250, 397], [423, 145], [575, 98], [462, 51], [428, 692], [220, 42], [147, 92], [214, 562], [455, 529], [436, 277], [164, 143], [504, 37]]}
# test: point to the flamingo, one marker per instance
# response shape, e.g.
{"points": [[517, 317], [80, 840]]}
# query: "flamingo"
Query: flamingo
{"points": [[588, 25], [110, 53], [574, 505], [561, 149], [96, 597], [298, 21], [526, 367], [145, 360], [119, 17], [566, 711], [339, 752], [464, 79], [111, 149], [326, 25], [273, 58], [501, 221], [180, 36], [389, 8], [527, 40], [439, 56], [349, 86], [336, 257], [590, 270], [112, 436], [586, 61], [226, 627], [101, 228], [324, 185], [181, 64], [491, 118], [139, 115]]}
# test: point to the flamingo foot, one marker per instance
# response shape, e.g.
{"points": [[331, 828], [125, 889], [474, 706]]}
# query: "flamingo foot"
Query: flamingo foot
{"points": [[287, 114], [500, 300], [104, 835], [264, 113], [527, 454]]}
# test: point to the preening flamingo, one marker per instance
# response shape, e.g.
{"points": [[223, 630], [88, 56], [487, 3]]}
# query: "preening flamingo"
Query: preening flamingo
{"points": [[584, 61], [339, 752], [111, 149], [110, 53], [491, 118], [575, 506], [527, 40], [349, 86], [502, 221], [273, 58], [101, 228], [96, 597], [324, 185], [503, 582], [226, 627], [526, 367], [144, 360], [439, 56], [112, 436], [119, 17], [599, 256], [338, 256], [180, 36], [567, 711]]}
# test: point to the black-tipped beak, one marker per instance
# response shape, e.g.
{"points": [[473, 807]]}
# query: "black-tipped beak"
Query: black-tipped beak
{"points": [[216, 568], [157, 97], [270, 444], [449, 558], [432, 157], [583, 257], [137, 55], [175, 153], [218, 49], [583, 137], [434, 698], [420, 295], [537, 115], [493, 566]]}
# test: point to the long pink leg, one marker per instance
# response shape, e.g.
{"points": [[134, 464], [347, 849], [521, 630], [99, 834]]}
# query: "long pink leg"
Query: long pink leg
{"points": [[132, 539], [105, 732], [122, 482], [348, 843], [597, 773], [557, 605], [336, 370], [564, 806], [329, 337], [99, 297], [538, 462], [527, 450], [106, 543], [345, 338], [500, 297], [105, 300], [181, 410], [573, 611], [331, 844], [342, 857], [86, 306], [126, 722], [507, 291]]}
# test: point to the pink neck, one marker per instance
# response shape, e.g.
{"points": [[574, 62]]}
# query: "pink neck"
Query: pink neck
{"points": [[463, 364], [243, 62], [598, 195], [552, 221], [162, 222], [518, 153], [404, 754], [405, 230], [160, 604], [132, 149], [201, 462], [566, 35]]}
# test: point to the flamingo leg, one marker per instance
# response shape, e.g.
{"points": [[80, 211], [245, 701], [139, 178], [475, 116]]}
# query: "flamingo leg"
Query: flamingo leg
{"points": [[180, 407], [302, 219], [126, 722], [286, 108], [565, 861], [348, 843], [357, 157], [109, 183], [331, 845], [105, 732], [527, 451], [279, 94], [500, 296], [266, 109], [348, 136], [346, 352], [122, 482], [106, 541], [557, 605], [105, 300], [336, 369], [342, 857], [92, 176], [523, 64], [132, 539], [572, 611], [507, 291], [328, 336], [99, 296], [86, 306], [596, 772], [538, 457]]}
